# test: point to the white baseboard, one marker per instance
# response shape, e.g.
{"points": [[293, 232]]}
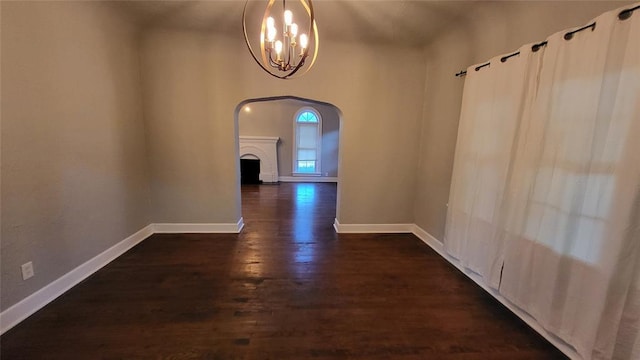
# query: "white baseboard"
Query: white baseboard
{"points": [[177, 228], [430, 240], [308, 179], [438, 247], [240, 225], [371, 228], [34, 302], [268, 177]]}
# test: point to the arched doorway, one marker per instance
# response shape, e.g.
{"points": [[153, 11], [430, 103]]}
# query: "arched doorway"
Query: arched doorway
{"points": [[287, 148]]}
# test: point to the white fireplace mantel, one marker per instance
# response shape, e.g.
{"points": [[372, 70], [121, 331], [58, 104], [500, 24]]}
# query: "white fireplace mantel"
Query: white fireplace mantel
{"points": [[265, 149]]}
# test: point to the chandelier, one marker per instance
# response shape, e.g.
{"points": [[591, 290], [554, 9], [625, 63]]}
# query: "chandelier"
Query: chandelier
{"points": [[285, 49]]}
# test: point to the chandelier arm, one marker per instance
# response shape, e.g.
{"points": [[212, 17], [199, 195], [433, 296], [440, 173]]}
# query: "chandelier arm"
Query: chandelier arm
{"points": [[246, 37], [274, 65], [246, 40], [270, 57], [316, 39], [266, 15], [313, 29], [289, 55]]}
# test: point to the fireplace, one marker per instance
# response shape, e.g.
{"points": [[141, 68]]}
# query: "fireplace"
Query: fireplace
{"points": [[264, 149], [250, 171]]}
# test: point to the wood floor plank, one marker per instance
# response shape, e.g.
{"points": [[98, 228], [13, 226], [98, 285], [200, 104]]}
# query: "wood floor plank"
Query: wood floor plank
{"points": [[287, 287]]}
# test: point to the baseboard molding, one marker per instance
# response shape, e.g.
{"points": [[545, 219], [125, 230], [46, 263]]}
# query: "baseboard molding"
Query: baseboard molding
{"points": [[371, 228], [438, 247], [34, 302], [308, 179], [430, 240], [176, 228]]}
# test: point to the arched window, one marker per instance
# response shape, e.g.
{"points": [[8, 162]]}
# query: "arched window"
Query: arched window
{"points": [[308, 136]]}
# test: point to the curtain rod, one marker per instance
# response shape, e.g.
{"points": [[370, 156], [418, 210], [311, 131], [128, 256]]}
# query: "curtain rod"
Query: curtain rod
{"points": [[569, 35], [623, 15]]}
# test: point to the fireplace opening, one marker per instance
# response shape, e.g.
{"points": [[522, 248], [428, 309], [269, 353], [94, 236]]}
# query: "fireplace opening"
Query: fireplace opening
{"points": [[250, 171]]}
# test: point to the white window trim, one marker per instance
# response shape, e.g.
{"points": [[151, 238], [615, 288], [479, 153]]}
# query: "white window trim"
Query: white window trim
{"points": [[318, 171]]}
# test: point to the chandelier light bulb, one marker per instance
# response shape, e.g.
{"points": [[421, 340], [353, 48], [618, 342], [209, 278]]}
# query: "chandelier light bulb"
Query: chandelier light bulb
{"points": [[271, 23], [271, 33], [278, 47], [294, 30], [304, 41], [288, 17]]}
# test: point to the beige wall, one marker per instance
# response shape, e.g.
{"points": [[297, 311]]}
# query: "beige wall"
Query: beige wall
{"points": [[194, 81], [74, 177], [189, 102], [330, 150], [497, 28], [276, 117]]}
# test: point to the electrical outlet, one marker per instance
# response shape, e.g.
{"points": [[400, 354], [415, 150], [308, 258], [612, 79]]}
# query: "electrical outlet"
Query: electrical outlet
{"points": [[27, 270]]}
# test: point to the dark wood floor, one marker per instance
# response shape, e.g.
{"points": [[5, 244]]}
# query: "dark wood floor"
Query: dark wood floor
{"points": [[288, 287]]}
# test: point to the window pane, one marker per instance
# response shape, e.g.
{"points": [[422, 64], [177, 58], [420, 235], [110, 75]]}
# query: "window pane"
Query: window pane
{"points": [[307, 142], [307, 136], [306, 154], [307, 117], [306, 166]]}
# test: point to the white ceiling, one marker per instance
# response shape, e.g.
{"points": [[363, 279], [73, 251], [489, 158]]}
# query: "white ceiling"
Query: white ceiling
{"points": [[399, 21]]}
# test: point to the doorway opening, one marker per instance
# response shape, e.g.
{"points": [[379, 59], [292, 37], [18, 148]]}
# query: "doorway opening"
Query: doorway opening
{"points": [[287, 139]]}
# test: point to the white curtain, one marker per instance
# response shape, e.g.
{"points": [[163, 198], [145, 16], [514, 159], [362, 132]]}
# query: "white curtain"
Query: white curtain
{"points": [[545, 197], [489, 120]]}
